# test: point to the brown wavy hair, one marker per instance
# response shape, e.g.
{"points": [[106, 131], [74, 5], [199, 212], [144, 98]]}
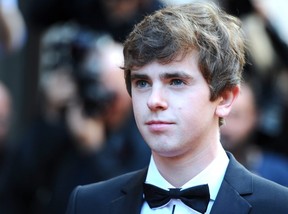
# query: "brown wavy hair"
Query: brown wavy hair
{"points": [[179, 29]]}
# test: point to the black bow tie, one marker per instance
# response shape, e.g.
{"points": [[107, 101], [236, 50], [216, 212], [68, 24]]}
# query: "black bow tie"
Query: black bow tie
{"points": [[195, 197]]}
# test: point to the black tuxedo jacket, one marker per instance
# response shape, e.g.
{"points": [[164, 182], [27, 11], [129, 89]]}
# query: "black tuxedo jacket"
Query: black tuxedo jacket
{"points": [[241, 192]]}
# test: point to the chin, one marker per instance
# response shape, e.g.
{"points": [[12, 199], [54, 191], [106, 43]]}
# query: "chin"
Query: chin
{"points": [[168, 153]]}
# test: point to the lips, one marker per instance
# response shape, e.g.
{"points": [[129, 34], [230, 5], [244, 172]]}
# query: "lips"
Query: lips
{"points": [[158, 126], [155, 122]]}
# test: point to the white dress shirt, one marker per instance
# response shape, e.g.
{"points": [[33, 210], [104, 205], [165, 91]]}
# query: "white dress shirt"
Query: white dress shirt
{"points": [[212, 175]]}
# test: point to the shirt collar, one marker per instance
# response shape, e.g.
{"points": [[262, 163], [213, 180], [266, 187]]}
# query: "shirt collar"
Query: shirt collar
{"points": [[212, 175]]}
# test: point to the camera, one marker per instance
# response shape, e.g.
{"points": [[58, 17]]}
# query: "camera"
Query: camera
{"points": [[77, 49]]}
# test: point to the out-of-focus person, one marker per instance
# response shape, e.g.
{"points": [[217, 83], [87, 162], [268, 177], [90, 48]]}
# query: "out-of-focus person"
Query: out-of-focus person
{"points": [[5, 120], [117, 17], [239, 136], [12, 27], [264, 22], [85, 131]]}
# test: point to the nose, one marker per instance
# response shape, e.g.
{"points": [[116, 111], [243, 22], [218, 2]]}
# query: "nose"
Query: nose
{"points": [[157, 99]]}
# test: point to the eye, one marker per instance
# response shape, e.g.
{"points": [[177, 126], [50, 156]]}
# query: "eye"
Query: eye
{"points": [[141, 83], [176, 82]]}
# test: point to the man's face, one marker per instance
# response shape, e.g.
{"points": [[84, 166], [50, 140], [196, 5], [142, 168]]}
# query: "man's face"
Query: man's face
{"points": [[172, 107]]}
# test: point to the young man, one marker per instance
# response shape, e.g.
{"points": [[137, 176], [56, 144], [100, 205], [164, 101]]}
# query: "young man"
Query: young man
{"points": [[183, 68]]}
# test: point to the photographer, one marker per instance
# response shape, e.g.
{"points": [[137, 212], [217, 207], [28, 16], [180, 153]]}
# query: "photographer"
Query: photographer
{"points": [[85, 131]]}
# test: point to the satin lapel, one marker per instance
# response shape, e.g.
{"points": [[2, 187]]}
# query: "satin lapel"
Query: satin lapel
{"points": [[131, 199], [229, 201], [236, 185]]}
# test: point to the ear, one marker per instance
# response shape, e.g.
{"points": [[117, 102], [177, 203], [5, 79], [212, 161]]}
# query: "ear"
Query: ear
{"points": [[226, 100]]}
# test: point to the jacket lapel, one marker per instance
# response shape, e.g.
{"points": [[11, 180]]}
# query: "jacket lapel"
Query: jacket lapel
{"points": [[237, 183], [131, 198], [229, 201]]}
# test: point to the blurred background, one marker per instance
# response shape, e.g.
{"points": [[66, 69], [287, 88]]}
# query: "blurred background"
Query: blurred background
{"points": [[65, 115]]}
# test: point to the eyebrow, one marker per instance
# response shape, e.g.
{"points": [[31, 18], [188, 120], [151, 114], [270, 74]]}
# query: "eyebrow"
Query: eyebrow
{"points": [[179, 74], [139, 76]]}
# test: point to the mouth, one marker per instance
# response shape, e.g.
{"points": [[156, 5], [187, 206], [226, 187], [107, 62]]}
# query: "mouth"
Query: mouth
{"points": [[157, 122], [158, 126]]}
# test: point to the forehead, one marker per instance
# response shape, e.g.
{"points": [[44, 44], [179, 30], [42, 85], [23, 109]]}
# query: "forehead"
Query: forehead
{"points": [[180, 63]]}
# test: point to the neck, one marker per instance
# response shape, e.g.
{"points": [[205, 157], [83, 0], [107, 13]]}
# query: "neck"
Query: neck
{"points": [[180, 169]]}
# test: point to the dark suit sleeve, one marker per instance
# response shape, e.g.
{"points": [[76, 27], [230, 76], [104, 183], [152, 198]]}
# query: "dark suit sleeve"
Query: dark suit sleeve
{"points": [[122, 194], [71, 209]]}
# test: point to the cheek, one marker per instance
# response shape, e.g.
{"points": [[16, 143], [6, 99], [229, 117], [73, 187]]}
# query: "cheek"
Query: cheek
{"points": [[138, 108], [195, 107]]}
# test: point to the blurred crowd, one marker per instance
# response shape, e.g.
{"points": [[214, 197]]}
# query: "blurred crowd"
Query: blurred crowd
{"points": [[65, 115]]}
